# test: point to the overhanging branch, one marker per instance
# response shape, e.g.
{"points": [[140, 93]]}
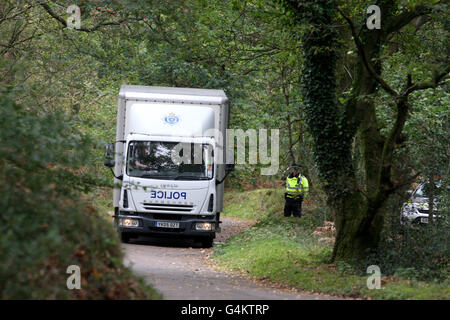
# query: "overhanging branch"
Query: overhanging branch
{"points": [[433, 83], [403, 19], [365, 60]]}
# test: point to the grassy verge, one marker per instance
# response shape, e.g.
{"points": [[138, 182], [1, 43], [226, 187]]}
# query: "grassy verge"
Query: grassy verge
{"points": [[284, 250]]}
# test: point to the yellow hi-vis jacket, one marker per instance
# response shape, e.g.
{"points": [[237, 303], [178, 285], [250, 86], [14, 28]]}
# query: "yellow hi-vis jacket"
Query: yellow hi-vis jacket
{"points": [[296, 187]]}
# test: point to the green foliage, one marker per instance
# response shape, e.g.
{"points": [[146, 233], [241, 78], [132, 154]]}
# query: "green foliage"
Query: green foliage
{"points": [[407, 273], [345, 268], [39, 144], [46, 224]]}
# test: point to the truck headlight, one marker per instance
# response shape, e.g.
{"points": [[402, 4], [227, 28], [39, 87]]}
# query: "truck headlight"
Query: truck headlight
{"points": [[128, 222], [205, 226]]}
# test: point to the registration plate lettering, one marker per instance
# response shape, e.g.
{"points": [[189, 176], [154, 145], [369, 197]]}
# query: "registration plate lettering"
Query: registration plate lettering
{"points": [[166, 224]]}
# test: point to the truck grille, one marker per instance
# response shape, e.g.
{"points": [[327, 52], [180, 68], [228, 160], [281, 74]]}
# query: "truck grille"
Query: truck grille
{"points": [[167, 230], [168, 207], [174, 216]]}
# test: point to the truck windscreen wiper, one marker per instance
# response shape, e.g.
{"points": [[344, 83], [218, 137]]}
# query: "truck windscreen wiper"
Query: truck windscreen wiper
{"points": [[189, 177], [152, 176]]}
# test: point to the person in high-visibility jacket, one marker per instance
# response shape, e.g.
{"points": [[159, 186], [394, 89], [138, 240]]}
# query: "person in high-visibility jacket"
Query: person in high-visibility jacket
{"points": [[297, 189]]}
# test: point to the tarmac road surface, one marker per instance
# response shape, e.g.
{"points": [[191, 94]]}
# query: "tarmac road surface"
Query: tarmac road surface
{"points": [[181, 270]]}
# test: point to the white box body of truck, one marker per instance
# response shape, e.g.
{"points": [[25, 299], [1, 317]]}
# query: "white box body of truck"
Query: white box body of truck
{"points": [[160, 195]]}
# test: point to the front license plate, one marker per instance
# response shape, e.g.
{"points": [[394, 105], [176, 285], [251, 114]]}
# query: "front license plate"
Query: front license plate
{"points": [[424, 220], [164, 224]]}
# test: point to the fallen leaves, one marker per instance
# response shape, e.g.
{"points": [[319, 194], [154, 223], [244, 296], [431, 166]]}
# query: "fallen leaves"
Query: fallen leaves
{"points": [[326, 232]]}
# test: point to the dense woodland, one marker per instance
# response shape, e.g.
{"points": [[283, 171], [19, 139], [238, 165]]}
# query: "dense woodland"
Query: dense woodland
{"points": [[365, 112]]}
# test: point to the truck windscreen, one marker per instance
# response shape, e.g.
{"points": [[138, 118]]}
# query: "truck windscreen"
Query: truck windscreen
{"points": [[170, 160]]}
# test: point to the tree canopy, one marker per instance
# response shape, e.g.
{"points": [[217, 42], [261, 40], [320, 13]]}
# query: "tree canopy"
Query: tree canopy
{"points": [[365, 111]]}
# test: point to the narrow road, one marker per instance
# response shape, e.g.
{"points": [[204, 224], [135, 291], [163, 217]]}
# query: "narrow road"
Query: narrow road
{"points": [[179, 270]]}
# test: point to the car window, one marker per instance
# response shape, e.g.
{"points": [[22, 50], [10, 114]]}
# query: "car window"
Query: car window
{"points": [[420, 192]]}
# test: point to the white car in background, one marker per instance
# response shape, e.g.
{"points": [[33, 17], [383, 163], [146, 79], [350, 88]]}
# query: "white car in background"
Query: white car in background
{"points": [[416, 210]]}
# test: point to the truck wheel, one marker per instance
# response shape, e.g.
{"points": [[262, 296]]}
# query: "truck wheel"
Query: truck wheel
{"points": [[125, 238], [207, 243]]}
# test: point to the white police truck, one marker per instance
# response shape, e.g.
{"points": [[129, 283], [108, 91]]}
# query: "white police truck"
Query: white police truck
{"points": [[169, 162]]}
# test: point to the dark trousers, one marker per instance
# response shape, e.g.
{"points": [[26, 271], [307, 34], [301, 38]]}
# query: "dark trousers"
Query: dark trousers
{"points": [[293, 206]]}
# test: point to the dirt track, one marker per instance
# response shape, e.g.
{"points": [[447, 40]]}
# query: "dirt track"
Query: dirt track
{"points": [[181, 270]]}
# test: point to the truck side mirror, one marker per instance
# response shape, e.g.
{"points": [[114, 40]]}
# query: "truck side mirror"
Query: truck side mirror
{"points": [[228, 168], [109, 163], [109, 155], [229, 160]]}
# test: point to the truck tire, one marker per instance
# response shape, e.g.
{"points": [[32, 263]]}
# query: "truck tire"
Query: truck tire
{"points": [[207, 242], [124, 237]]}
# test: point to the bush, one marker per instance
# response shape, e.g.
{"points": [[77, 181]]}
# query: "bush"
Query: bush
{"points": [[414, 251], [46, 225]]}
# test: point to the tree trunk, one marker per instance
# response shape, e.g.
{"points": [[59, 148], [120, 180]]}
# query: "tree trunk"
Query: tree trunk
{"points": [[359, 222]]}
